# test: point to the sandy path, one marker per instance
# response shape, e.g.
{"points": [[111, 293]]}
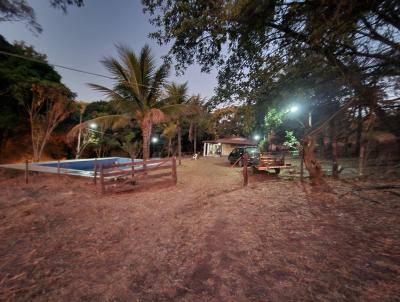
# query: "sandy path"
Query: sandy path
{"points": [[207, 239]]}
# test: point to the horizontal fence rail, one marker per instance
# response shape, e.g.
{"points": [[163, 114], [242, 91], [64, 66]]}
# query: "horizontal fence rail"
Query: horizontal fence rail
{"points": [[116, 176]]}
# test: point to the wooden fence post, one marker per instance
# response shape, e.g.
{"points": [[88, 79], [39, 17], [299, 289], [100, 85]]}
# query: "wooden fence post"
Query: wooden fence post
{"points": [[26, 171], [302, 163], [144, 168], [102, 179], [174, 174], [245, 172], [133, 170], [95, 172]]}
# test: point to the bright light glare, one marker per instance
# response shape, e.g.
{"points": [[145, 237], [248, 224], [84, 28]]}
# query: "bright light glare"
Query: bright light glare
{"points": [[294, 109], [154, 140], [256, 137], [93, 125]]}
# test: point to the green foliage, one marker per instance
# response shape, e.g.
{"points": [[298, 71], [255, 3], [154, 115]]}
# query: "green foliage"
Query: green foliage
{"points": [[262, 48], [233, 120], [138, 83], [136, 92], [263, 145], [257, 31], [290, 140], [21, 11], [273, 119], [16, 79], [99, 108]]}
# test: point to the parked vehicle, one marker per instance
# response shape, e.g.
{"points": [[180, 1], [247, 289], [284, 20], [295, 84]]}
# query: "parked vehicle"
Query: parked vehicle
{"points": [[236, 155], [271, 162]]}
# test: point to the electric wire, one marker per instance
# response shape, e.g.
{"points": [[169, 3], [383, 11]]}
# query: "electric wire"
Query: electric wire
{"points": [[61, 66]]}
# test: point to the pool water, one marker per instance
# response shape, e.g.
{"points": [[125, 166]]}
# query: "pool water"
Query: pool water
{"points": [[87, 164]]}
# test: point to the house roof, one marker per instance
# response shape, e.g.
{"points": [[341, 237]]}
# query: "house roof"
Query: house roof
{"points": [[232, 141]]}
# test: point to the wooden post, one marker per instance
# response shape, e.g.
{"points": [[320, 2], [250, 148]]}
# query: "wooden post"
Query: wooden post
{"points": [[133, 170], [26, 171], [58, 168], [245, 172], [174, 174], [95, 172], [301, 163], [144, 168], [102, 179]]}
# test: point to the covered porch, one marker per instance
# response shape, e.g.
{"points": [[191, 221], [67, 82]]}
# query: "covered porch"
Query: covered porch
{"points": [[224, 146]]}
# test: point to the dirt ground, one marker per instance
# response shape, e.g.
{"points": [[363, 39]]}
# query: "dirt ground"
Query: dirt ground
{"points": [[207, 239]]}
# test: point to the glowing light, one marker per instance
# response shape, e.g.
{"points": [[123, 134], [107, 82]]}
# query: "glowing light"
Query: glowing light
{"points": [[154, 140], [294, 109], [256, 137], [93, 125]]}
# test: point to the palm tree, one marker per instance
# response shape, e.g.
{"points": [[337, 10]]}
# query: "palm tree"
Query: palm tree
{"points": [[200, 119], [82, 108], [177, 95], [136, 92], [170, 132]]}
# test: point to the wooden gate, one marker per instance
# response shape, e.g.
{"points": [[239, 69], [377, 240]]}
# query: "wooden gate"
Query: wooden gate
{"points": [[125, 176]]}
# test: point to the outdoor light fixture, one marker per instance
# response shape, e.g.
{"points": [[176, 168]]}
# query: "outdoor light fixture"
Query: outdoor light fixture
{"points": [[256, 137], [294, 109], [154, 139], [93, 125]]}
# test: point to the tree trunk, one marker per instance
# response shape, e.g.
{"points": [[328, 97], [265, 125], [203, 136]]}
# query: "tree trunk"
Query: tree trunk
{"points": [[78, 147], [146, 133], [195, 139], [359, 130], [43, 144], [362, 159], [34, 142], [179, 142], [169, 146], [312, 164], [3, 141], [302, 162], [333, 139]]}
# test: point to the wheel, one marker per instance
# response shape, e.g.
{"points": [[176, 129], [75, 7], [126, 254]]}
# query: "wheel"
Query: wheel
{"points": [[277, 171]]}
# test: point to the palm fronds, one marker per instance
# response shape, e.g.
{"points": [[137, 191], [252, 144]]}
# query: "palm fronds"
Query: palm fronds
{"points": [[102, 122]]}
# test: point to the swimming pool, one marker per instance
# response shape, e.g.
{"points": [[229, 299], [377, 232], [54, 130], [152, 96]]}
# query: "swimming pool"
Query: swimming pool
{"points": [[87, 164], [78, 167]]}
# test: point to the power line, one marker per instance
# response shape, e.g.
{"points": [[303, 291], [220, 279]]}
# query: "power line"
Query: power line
{"points": [[61, 66], [55, 65]]}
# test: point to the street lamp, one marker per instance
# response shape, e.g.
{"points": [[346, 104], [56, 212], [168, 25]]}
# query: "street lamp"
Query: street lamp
{"points": [[293, 109], [256, 137], [153, 140]]}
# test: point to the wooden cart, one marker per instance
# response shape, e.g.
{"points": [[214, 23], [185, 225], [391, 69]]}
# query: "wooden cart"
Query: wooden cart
{"points": [[271, 162]]}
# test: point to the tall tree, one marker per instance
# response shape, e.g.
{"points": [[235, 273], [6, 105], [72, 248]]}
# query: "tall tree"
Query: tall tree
{"points": [[199, 122], [177, 95], [137, 89], [50, 105], [16, 78], [136, 93], [360, 39], [169, 132], [80, 147], [21, 11]]}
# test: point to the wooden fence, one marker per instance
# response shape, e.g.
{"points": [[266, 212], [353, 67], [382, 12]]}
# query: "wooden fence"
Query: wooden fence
{"points": [[119, 176]]}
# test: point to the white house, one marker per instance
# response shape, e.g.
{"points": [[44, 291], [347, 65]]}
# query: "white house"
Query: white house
{"points": [[224, 146]]}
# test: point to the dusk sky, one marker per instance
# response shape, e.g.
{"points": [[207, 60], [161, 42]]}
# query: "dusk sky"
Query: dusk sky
{"points": [[83, 36]]}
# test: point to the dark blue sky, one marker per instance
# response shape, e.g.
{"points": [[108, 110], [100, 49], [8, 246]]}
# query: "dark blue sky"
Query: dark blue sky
{"points": [[83, 36]]}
